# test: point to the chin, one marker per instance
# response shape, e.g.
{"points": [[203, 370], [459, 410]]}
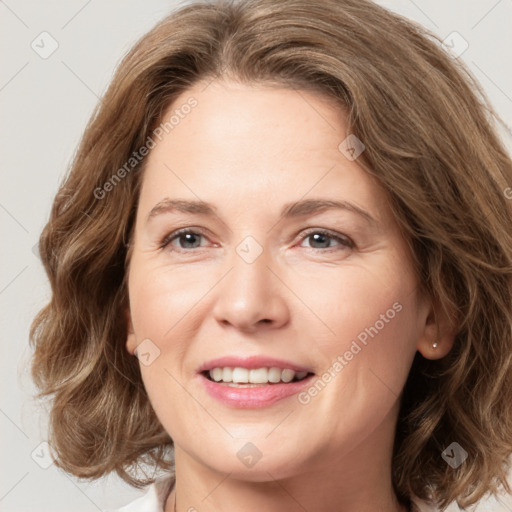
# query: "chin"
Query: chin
{"points": [[252, 464]]}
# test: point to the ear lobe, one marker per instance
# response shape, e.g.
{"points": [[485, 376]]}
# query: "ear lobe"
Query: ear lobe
{"points": [[439, 333]]}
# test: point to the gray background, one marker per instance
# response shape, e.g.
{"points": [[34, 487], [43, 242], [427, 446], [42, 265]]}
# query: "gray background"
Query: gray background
{"points": [[45, 104]]}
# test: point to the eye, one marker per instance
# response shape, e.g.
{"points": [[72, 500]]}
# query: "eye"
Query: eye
{"points": [[322, 238], [187, 236]]}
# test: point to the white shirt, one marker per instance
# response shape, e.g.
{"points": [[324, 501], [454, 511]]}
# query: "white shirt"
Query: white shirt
{"points": [[157, 493]]}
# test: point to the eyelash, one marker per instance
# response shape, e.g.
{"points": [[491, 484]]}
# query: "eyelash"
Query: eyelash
{"points": [[345, 241]]}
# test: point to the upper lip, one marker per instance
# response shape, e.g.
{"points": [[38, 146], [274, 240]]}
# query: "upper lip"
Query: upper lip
{"points": [[251, 362]]}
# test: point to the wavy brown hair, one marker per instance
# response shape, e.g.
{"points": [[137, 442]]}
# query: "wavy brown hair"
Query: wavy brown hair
{"points": [[431, 141]]}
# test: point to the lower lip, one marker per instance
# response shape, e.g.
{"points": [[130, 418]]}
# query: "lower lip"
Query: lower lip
{"points": [[254, 397]]}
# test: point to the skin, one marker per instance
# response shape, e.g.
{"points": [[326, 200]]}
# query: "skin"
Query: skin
{"points": [[249, 150]]}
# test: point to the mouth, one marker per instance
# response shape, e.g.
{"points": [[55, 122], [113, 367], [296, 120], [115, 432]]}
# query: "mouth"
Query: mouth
{"points": [[252, 383], [239, 377]]}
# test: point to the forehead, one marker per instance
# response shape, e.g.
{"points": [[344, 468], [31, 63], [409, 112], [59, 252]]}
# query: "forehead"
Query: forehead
{"points": [[265, 145], [228, 112]]}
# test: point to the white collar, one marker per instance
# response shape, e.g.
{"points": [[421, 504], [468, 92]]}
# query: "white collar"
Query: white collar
{"points": [[154, 498]]}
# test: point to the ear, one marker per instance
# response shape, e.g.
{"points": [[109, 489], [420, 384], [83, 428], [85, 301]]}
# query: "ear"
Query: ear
{"points": [[131, 342], [437, 332]]}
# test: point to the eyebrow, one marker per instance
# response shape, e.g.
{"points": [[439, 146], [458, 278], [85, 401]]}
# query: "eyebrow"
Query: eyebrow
{"points": [[290, 210]]}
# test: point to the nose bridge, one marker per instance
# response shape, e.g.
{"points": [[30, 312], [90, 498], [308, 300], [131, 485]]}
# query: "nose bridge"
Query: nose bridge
{"points": [[250, 293], [250, 263]]}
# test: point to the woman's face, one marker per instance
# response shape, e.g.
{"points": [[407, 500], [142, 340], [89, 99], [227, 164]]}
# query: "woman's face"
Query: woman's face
{"points": [[272, 274]]}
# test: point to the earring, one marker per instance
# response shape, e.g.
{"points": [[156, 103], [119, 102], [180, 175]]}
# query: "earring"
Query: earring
{"points": [[434, 345]]}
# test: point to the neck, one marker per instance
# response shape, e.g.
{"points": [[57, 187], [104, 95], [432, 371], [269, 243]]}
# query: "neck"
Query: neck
{"points": [[358, 481]]}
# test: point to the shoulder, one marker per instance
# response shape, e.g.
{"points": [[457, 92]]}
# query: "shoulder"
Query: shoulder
{"points": [[153, 500]]}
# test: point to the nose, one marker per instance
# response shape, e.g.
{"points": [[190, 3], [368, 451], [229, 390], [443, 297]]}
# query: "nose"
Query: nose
{"points": [[251, 296]]}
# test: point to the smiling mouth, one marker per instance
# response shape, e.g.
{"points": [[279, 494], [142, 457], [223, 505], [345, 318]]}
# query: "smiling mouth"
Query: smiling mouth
{"points": [[248, 378]]}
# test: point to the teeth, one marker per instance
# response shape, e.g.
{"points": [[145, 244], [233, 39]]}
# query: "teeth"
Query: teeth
{"points": [[287, 375], [255, 376], [227, 375], [274, 375], [216, 374], [239, 375], [259, 376]]}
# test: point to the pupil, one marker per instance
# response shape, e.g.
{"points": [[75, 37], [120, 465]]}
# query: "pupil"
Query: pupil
{"points": [[316, 235], [187, 240]]}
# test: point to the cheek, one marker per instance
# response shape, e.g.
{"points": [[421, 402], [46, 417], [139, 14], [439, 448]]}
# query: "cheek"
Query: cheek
{"points": [[358, 302], [367, 364], [161, 298], [164, 305], [368, 337]]}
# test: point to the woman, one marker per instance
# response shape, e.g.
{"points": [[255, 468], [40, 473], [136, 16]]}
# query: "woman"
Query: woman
{"points": [[338, 334]]}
